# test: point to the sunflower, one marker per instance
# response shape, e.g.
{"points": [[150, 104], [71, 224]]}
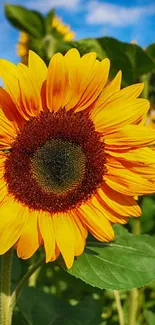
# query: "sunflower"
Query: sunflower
{"points": [[73, 154], [62, 28], [23, 43]]}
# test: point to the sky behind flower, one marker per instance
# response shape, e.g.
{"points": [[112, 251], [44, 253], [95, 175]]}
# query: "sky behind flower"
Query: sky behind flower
{"points": [[125, 20]]}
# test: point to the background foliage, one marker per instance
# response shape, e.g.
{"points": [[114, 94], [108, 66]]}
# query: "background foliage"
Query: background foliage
{"points": [[87, 294]]}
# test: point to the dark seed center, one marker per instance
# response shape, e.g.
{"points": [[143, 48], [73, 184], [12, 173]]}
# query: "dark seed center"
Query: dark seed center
{"points": [[58, 166]]}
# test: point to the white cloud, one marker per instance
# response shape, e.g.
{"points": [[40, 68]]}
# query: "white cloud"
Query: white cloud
{"points": [[46, 5], [116, 15]]}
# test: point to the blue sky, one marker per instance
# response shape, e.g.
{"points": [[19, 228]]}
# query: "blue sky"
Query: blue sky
{"points": [[125, 20]]}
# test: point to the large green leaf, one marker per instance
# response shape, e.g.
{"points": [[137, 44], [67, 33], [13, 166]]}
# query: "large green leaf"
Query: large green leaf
{"points": [[26, 20], [40, 308], [139, 58], [119, 59], [148, 214], [83, 46], [127, 262], [151, 50]]}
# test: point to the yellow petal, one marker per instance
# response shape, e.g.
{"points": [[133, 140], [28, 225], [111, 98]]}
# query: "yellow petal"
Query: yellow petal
{"points": [[119, 113], [11, 224], [95, 220], [126, 182], [30, 93], [57, 82], [38, 69], [130, 136], [30, 239], [122, 204], [111, 88], [65, 237], [47, 233]]}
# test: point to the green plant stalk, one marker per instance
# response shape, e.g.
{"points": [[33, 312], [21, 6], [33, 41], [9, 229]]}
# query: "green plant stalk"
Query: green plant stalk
{"points": [[16, 293], [133, 297], [119, 307], [5, 289]]}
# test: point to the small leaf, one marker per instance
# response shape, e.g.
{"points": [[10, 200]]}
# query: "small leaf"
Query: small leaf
{"points": [[32, 22], [123, 264]]}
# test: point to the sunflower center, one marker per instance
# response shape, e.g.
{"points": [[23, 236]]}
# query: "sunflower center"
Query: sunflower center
{"points": [[57, 162], [58, 166]]}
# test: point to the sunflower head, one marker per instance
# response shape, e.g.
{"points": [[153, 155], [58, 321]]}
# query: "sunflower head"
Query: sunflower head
{"points": [[73, 154], [23, 46], [62, 29]]}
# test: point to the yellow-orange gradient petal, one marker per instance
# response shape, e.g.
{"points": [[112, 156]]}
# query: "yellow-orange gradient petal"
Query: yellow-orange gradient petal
{"points": [[128, 112], [125, 181], [7, 132], [57, 82], [12, 220], [129, 136], [122, 204], [65, 237], [47, 232], [111, 88], [96, 221], [80, 239], [30, 93], [30, 238]]}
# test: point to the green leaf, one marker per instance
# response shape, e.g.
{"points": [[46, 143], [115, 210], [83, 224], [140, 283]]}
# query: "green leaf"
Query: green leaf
{"points": [[40, 308], [148, 214], [49, 18], [139, 58], [119, 60], [123, 264], [151, 51], [149, 317], [83, 46], [32, 22]]}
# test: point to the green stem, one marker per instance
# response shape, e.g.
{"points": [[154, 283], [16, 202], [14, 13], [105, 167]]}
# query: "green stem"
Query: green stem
{"points": [[24, 280], [5, 290], [133, 298], [133, 306], [119, 307]]}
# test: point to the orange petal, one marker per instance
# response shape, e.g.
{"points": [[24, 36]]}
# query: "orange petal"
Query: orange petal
{"points": [[56, 82], [30, 93], [10, 110], [7, 133]]}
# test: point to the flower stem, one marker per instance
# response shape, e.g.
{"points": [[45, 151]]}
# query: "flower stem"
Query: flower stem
{"points": [[16, 293], [5, 289], [133, 298], [119, 307]]}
